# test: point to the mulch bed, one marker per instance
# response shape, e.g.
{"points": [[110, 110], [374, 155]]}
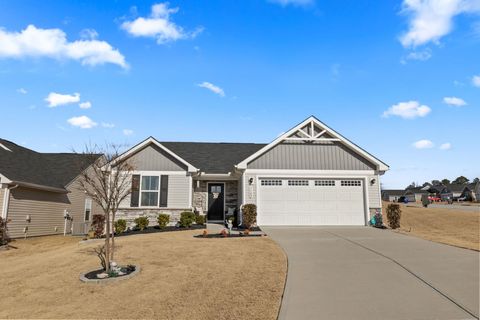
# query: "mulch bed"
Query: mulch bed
{"points": [[157, 229], [92, 275]]}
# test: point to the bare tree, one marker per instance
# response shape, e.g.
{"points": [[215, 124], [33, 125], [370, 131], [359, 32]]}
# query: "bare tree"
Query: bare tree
{"points": [[107, 180]]}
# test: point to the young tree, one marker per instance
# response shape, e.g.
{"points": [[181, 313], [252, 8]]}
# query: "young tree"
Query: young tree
{"points": [[460, 180], [108, 182]]}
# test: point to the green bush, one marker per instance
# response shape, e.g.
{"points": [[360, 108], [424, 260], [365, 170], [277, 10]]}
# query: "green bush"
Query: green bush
{"points": [[163, 219], [186, 219], [249, 215], [98, 225], [120, 226], [141, 223], [4, 239], [200, 220], [394, 214]]}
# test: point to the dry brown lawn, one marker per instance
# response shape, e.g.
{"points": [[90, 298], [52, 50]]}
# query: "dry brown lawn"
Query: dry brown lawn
{"points": [[450, 226], [181, 278]]}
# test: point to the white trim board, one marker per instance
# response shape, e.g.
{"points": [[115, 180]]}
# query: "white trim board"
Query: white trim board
{"points": [[314, 121]]}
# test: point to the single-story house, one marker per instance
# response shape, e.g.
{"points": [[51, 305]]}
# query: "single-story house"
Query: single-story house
{"points": [[392, 195], [310, 175], [38, 189], [413, 194]]}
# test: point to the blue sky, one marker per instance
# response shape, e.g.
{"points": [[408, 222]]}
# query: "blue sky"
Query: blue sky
{"points": [[399, 78]]}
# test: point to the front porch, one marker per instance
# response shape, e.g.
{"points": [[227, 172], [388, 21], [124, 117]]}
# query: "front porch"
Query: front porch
{"points": [[217, 199]]}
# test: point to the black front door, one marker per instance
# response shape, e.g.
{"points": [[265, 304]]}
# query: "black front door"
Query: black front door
{"points": [[216, 194]]}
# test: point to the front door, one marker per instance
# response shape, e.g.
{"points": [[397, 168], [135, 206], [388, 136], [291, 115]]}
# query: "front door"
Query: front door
{"points": [[216, 196]]}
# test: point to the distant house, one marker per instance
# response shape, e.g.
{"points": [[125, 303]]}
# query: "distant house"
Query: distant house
{"points": [[392, 195], [37, 189], [413, 194]]}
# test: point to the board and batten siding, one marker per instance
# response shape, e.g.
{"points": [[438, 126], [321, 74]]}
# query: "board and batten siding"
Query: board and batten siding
{"points": [[178, 191], [152, 158], [296, 156]]}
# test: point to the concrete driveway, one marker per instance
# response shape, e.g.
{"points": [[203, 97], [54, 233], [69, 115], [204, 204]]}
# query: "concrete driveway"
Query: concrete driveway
{"points": [[367, 273]]}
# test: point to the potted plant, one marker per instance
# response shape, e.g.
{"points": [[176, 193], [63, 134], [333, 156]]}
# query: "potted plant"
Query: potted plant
{"points": [[230, 222]]}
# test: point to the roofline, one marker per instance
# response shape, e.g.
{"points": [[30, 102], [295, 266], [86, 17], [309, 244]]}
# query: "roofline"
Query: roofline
{"points": [[38, 186], [381, 166], [78, 175], [137, 147]]}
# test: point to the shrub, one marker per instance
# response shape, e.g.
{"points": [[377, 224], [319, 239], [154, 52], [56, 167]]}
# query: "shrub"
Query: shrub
{"points": [[394, 214], [120, 226], [163, 219], [98, 225], [4, 239], [200, 219], [186, 219], [141, 223], [249, 215]]}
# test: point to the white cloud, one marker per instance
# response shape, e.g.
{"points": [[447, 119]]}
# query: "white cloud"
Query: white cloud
{"points": [[22, 91], [284, 3], [407, 110], [419, 55], [159, 25], [85, 105], [89, 34], [430, 20], [423, 144], [127, 132], [212, 87], [454, 101], [57, 99], [83, 122], [107, 125], [53, 43], [476, 81], [446, 146]]}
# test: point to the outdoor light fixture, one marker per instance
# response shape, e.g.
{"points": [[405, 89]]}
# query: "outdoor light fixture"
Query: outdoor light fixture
{"points": [[372, 181], [250, 181]]}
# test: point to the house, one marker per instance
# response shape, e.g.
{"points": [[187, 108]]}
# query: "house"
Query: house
{"points": [[38, 189], [413, 194], [310, 175], [392, 195]]}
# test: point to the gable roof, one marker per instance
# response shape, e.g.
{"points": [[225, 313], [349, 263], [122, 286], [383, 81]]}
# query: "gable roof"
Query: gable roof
{"points": [[21, 165], [325, 134], [211, 157]]}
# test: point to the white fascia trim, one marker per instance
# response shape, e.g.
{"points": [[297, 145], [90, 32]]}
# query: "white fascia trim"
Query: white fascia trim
{"points": [[158, 173], [4, 179], [381, 166], [216, 176], [154, 141], [319, 173]]}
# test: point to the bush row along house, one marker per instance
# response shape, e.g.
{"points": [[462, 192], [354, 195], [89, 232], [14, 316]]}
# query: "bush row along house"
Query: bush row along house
{"points": [[467, 192], [38, 190]]}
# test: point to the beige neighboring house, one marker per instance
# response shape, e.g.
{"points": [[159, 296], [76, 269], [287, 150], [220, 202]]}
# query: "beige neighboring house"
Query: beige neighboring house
{"points": [[37, 190]]}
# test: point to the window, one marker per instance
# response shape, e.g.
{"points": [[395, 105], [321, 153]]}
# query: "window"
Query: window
{"points": [[88, 209], [350, 183], [271, 182], [298, 182], [149, 191], [325, 183]]}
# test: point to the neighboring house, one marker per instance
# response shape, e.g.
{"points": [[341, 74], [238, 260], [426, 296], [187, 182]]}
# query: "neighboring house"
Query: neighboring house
{"points": [[392, 195], [413, 194], [37, 189], [310, 175]]}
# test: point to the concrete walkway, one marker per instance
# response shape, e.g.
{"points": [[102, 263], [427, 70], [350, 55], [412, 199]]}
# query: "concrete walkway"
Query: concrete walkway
{"points": [[367, 273]]}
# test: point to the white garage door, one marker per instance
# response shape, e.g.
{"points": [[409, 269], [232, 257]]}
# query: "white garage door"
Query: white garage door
{"points": [[310, 202]]}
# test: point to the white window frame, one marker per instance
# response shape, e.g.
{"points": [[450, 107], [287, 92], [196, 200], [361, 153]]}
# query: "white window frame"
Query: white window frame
{"points": [[350, 183], [298, 183], [271, 182], [87, 200], [148, 190], [324, 183]]}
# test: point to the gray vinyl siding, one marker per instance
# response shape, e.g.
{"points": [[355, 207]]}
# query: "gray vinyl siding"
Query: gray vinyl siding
{"points": [[45, 210], [374, 194], [296, 156], [2, 192], [155, 159], [178, 191]]}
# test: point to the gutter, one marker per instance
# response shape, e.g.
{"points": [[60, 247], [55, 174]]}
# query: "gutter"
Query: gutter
{"points": [[39, 187], [6, 201]]}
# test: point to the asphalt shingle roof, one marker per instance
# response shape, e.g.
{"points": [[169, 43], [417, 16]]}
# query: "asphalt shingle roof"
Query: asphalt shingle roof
{"points": [[211, 157], [46, 169]]}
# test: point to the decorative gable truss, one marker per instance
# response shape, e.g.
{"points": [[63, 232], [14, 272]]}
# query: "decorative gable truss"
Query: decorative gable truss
{"points": [[313, 131]]}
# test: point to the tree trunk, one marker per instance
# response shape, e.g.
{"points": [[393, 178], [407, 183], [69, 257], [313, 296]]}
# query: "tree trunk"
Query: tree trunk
{"points": [[112, 252], [107, 242]]}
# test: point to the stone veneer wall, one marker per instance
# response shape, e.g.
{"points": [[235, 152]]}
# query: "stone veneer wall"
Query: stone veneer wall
{"points": [[200, 194], [132, 213]]}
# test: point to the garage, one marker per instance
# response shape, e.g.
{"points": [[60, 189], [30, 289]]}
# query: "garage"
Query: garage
{"points": [[307, 202]]}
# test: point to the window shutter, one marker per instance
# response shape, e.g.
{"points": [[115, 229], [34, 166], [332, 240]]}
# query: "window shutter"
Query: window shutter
{"points": [[135, 190], [163, 191]]}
